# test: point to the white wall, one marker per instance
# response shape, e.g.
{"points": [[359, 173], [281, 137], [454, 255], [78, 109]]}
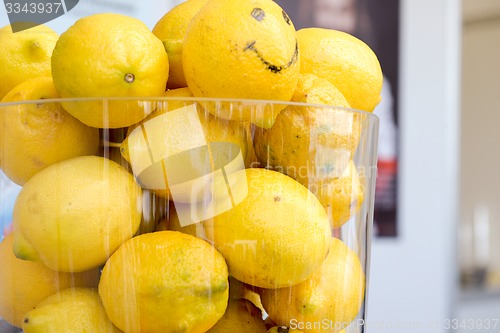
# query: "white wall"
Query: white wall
{"points": [[481, 143], [413, 278]]}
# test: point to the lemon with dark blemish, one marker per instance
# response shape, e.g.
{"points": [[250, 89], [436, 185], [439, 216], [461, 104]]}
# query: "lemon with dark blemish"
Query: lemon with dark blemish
{"points": [[242, 49], [164, 282], [277, 236]]}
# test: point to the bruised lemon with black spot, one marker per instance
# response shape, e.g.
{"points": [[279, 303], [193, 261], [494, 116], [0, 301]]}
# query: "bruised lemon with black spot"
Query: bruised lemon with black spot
{"points": [[242, 49]]}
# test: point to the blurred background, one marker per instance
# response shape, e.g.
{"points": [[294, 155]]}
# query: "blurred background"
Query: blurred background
{"points": [[436, 253], [479, 223]]}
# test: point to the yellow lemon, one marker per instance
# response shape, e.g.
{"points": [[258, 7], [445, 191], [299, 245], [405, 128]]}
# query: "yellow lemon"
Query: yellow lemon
{"points": [[302, 135], [240, 316], [277, 236], [109, 55], [70, 310], [342, 197], [242, 49], [347, 62], [188, 128], [164, 282], [170, 29], [23, 284], [74, 214], [36, 135], [333, 295], [315, 145], [25, 55]]}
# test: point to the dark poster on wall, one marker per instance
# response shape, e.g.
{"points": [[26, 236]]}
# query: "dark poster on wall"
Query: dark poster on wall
{"points": [[376, 22]]}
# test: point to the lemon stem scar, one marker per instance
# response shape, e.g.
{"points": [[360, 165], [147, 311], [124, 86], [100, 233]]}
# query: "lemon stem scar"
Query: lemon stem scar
{"points": [[129, 78], [273, 68]]}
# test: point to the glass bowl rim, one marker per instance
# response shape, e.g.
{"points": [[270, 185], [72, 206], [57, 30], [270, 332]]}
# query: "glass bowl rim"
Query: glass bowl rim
{"points": [[187, 99]]}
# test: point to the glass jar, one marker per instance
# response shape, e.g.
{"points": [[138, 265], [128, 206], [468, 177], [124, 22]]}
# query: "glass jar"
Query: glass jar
{"points": [[205, 213]]}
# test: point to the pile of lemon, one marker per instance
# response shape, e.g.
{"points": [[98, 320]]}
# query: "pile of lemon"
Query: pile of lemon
{"points": [[98, 247]]}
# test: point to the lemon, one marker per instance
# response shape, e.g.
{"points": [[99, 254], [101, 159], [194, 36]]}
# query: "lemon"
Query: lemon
{"points": [[303, 135], [170, 29], [109, 55], [164, 282], [35, 136], [277, 236], [240, 316], [188, 128], [315, 145], [342, 197], [70, 310], [23, 284], [25, 55], [347, 62], [242, 49], [74, 214], [334, 294]]}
